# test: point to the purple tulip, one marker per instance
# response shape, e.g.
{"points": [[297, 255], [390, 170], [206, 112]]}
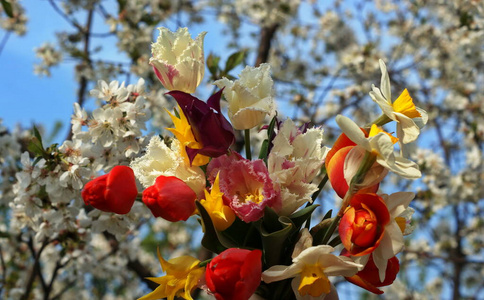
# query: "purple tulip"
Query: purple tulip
{"points": [[209, 126]]}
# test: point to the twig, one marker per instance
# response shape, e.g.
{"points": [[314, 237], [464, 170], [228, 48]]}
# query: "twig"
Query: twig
{"points": [[4, 40], [4, 270], [266, 36], [83, 80], [35, 269]]}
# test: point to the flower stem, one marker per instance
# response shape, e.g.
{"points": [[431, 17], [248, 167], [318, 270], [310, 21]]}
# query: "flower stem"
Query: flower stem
{"points": [[321, 185], [380, 121], [205, 262], [248, 154]]}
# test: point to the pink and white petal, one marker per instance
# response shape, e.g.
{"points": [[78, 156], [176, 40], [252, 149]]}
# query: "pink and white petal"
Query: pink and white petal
{"points": [[353, 131]]}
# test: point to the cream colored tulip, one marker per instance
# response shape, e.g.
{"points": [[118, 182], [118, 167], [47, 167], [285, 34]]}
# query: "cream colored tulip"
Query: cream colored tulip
{"points": [[178, 60], [250, 97]]}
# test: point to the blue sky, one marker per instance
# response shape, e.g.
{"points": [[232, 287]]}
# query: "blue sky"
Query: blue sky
{"points": [[27, 98]]}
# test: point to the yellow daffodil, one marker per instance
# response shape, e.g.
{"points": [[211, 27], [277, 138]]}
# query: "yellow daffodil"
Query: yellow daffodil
{"points": [[182, 276], [409, 118], [183, 132], [222, 215]]}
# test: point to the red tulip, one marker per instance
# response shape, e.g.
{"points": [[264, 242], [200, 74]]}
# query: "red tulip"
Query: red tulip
{"points": [[113, 192], [170, 198], [369, 279], [234, 274], [363, 224]]}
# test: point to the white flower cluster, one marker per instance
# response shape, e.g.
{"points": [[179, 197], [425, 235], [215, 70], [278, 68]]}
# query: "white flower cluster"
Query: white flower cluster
{"points": [[49, 56], [267, 12], [47, 208]]}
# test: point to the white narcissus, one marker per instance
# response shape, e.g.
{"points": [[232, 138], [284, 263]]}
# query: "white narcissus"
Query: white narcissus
{"points": [[310, 270], [250, 98], [409, 118], [379, 143], [178, 60], [295, 159], [162, 160]]}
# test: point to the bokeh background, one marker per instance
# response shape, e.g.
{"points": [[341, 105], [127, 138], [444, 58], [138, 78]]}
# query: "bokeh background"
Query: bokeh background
{"points": [[324, 58]]}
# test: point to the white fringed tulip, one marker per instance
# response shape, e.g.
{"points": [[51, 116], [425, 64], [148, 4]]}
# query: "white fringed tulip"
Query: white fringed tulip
{"points": [[178, 60], [250, 97]]}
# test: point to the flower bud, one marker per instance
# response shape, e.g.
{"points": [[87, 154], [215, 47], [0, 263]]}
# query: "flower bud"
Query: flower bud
{"points": [[170, 198], [178, 60], [113, 192], [234, 274]]}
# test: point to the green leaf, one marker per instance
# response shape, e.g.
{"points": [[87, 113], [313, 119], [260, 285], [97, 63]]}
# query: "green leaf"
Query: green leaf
{"points": [[270, 130], [212, 240], [212, 64], [301, 216], [263, 150], [7, 7], [37, 135], [242, 234], [35, 146], [234, 60], [335, 242], [274, 243], [319, 230]]}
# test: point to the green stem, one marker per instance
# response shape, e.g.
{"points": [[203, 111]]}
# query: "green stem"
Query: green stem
{"points": [[380, 121], [320, 188], [316, 194], [248, 154], [205, 262]]}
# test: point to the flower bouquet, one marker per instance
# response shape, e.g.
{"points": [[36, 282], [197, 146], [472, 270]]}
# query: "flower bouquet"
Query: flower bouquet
{"points": [[259, 216]]}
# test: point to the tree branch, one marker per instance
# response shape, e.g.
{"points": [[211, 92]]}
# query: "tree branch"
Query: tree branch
{"points": [[267, 34]]}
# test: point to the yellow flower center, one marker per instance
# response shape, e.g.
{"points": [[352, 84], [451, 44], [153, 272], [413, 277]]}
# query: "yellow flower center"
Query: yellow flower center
{"points": [[402, 223], [255, 196], [313, 281], [183, 132], [404, 105], [376, 130]]}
